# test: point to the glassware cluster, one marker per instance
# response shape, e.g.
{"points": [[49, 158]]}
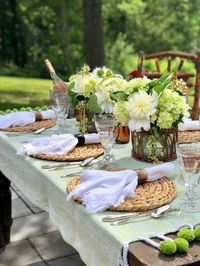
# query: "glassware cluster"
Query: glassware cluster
{"points": [[188, 155]]}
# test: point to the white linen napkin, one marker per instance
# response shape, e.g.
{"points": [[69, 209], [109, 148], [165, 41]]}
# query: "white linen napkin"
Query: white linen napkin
{"points": [[101, 189], [23, 118], [56, 144], [91, 138], [189, 125]]}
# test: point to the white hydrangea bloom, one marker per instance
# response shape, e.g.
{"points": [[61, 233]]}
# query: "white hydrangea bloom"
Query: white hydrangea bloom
{"points": [[105, 88], [84, 84], [136, 84]]}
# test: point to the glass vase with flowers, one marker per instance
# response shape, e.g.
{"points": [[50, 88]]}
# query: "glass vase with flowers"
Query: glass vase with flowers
{"points": [[82, 90], [152, 110]]}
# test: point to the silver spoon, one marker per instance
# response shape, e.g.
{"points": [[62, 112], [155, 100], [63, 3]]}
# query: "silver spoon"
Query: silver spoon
{"points": [[154, 214]]}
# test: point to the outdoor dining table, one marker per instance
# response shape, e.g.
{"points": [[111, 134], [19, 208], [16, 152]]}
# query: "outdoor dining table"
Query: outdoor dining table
{"points": [[98, 243]]}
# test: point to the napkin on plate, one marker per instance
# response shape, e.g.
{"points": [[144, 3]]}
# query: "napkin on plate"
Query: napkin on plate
{"points": [[189, 125], [101, 189], [56, 144], [23, 118]]}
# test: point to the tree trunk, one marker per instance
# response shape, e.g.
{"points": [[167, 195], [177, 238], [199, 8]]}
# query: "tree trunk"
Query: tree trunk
{"points": [[14, 31], [64, 30], [93, 33]]}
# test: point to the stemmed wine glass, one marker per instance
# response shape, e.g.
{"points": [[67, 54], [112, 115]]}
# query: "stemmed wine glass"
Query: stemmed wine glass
{"points": [[188, 155], [60, 104], [105, 125]]}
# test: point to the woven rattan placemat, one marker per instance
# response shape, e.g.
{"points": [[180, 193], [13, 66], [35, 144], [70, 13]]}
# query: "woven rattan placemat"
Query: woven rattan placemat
{"points": [[77, 154], [148, 195], [189, 136], [31, 127]]}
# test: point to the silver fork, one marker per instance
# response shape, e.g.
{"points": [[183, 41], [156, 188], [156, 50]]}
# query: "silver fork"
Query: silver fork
{"points": [[57, 167], [79, 172]]}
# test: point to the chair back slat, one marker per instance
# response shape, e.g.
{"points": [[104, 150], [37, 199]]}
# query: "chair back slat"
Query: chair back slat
{"points": [[180, 64], [169, 61], [170, 56], [157, 65]]}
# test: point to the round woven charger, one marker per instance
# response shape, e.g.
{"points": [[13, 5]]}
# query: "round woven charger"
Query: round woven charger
{"points": [[148, 196], [77, 154], [189, 136], [31, 127]]}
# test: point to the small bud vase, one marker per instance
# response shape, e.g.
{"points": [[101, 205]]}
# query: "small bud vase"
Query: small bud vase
{"points": [[122, 134], [148, 148]]}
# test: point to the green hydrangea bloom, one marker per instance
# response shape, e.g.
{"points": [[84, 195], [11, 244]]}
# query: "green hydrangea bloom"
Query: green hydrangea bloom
{"points": [[28, 109], [1, 112], [22, 109], [88, 85], [197, 233], [120, 113], [168, 247], [14, 110], [170, 106], [187, 234], [182, 245], [165, 120]]}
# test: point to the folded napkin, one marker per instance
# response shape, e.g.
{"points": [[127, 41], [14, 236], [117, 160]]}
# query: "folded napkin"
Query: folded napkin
{"points": [[56, 144], [189, 125], [23, 118], [91, 138], [101, 189]]}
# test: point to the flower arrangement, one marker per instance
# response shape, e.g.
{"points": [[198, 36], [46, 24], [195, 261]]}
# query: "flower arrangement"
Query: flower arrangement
{"points": [[142, 104], [152, 109], [151, 105], [84, 84], [91, 90]]}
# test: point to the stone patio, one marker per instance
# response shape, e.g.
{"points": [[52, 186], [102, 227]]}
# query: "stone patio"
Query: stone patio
{"points": [[37, 242]]}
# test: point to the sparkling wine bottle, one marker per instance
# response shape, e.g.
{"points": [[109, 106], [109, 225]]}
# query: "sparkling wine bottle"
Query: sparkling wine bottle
{"points": [[58, 84]]}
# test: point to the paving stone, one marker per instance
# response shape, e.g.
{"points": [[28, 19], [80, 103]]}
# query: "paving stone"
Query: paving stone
{"points": [[72, 260], [31, 226], [19, 254], [41, 263], [51, 246], [19, 208], [33, 208]]}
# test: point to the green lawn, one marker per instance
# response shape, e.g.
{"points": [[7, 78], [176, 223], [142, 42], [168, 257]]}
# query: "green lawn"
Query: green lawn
{"points": [[23, 92]]}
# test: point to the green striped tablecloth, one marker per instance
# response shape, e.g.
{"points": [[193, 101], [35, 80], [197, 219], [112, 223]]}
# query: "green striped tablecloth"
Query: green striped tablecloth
{"points": [[97, 243]]}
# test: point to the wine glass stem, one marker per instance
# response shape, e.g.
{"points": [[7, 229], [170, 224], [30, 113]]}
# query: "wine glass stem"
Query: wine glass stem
{"points": [[107, 156], [60, 123], [190, 195]]}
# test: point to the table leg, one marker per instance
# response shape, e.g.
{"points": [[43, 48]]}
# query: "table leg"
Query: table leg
{"points": [[5, 210]]}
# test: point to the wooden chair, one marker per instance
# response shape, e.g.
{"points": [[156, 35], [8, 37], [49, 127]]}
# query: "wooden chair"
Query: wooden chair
{"points": [[171, 55]]}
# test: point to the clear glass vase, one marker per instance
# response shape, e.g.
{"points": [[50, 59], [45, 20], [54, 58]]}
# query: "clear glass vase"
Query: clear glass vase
{"points": [[85, 118], [148, 148]]}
